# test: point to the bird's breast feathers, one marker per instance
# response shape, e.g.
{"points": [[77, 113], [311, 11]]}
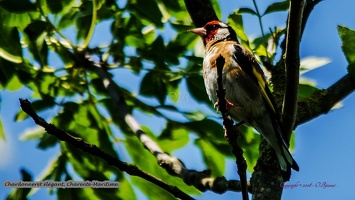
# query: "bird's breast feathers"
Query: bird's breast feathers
{"points": [[242, 91]]}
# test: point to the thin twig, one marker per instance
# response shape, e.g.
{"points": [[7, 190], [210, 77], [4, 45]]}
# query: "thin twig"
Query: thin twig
{"points": [[292, 61], [231, 131], [95, 151]]}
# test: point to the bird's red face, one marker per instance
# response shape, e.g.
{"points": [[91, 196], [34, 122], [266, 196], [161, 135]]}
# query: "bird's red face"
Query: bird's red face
{"points": [[214, 30]]}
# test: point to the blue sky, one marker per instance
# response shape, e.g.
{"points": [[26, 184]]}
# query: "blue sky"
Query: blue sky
{"points": [[324, 146]]}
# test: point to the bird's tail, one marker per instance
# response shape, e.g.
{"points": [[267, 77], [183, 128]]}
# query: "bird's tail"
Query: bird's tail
{"points": [[286, 162]]}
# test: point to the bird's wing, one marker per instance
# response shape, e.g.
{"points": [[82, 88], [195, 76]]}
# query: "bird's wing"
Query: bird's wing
{"points": [[250, 66]]}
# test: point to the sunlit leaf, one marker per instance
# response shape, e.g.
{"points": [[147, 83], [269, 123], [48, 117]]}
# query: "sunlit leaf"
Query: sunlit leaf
{"points": [[348, 45], [249, 141], [33, 134], [19, 20], [195, 115], [173, 137], [10, 47], [236, 22], [126, 190], [2, 132], [216, 8], [146, 161], [306, 90], [214, 160], [14, 84], [277, 7], [312, 62], [247, 11]]}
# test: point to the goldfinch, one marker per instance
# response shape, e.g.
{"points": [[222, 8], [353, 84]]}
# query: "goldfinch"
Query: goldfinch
{"points": [[247, 94]]}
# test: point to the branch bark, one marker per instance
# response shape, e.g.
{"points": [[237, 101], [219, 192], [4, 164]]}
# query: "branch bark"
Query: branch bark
{"points": [[292, 61], [231, 131], [95, 151], [321, 102], [201, 11]]}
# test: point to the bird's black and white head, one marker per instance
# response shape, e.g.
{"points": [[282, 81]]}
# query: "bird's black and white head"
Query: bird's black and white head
{"points": [[215, 31]]}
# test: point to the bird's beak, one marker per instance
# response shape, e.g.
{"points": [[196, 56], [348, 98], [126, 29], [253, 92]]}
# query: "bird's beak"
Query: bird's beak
{"points": [[198, 31]]}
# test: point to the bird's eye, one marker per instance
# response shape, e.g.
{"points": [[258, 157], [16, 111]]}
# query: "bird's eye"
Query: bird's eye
{"points": [[214, 26]]}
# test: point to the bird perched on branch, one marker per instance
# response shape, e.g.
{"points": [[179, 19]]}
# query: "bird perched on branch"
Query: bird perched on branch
{"points": [[248, 97]]}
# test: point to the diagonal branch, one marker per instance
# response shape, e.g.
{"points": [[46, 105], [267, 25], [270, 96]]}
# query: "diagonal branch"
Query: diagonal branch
{"points": [[200, 180], [320, 102], [292, 61], [95, 151]]}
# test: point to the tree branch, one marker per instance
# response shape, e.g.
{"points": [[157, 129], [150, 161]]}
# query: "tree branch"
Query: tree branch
{"points": [[320, 102], [175, 167], [201, 11], [308, 8], [95, 151], [231, 131], [292, 61]]}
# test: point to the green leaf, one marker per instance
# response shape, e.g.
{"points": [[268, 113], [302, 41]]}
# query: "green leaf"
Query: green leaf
{"points": [[36, 33], [216, 8], [250, 144], [348, 45], [2, 132], [247, 11], [306, 89], [83, 19], [173, 137], [277, 7], [347, 37], [196, 87], [312, 62], [126, 190], [14, 84], [236, 22], [7, 71], [33, 134], [10, 46], [55, 169], [18, 6], [17, 20], [21, 193], [195, 115], [55, 6], [149, 10], [153, 85], [146, 162], [292, 141], [214, 160], [47, 141]]}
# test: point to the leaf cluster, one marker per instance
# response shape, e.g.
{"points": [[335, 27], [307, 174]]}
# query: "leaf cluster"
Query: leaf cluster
{"points": [[43, 48]]}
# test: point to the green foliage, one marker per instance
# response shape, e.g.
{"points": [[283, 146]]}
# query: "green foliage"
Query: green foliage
{"points": [[2, 132], [21, 193], [43, 45], [348, 38]]}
